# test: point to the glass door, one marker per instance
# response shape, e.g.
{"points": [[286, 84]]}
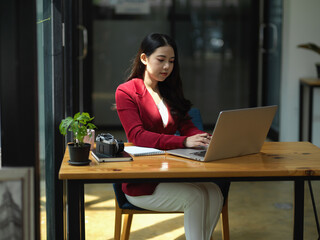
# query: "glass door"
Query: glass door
{"points": [[218, 51], [217, 43], [270, 57], [118, 28]]}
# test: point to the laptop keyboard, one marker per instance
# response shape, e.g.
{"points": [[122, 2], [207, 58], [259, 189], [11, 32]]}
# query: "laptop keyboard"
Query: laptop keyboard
{"points": [[200, 153]]}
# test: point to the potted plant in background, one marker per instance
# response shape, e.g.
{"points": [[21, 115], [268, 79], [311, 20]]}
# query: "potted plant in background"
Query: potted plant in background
{"points": [[80, 125], [312, 47]]}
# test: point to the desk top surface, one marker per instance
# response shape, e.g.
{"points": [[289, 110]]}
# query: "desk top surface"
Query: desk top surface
{"points": [[312, 82], [276, 159]]}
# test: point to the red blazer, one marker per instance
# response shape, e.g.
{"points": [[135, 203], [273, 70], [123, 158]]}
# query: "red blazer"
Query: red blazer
{"points": [[143, 125]]}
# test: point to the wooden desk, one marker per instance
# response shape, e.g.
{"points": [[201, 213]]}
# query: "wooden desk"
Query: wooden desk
{"points": [[296, 161]]}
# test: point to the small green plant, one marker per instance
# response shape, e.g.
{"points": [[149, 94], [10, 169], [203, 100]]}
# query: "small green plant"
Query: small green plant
{"points": [[310, 46], [78, 125]]}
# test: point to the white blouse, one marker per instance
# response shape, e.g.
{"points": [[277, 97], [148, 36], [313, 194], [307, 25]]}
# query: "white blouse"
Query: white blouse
{"points": [[163, 112]]}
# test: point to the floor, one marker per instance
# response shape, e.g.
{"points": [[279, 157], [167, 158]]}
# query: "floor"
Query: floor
{"points": [[257, 210]]}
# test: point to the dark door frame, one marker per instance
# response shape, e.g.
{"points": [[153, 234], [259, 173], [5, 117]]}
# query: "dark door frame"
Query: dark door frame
{"points": [[19, 91]]}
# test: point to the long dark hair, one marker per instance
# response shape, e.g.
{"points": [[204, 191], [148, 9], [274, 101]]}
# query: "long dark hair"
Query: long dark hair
{"points": [[170, 89]]}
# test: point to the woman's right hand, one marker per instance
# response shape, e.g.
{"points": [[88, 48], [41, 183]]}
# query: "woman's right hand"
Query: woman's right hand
{"points": [[197, 140]]}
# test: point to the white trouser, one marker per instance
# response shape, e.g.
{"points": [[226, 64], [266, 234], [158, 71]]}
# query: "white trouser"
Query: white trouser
{"points": [[200, 202]]}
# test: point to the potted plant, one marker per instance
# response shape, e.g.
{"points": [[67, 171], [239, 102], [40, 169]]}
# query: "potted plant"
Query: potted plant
{"points": [[80, 125], [315, 48]]}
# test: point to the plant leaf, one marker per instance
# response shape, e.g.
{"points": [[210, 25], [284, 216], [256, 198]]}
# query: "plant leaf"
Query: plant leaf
{"points": [[64, 125], [78, 125], [75, 117], [91, 126], [310, 46]]}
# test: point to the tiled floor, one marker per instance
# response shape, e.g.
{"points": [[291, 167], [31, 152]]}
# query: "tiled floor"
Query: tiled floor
{"points": [[257, 210]]}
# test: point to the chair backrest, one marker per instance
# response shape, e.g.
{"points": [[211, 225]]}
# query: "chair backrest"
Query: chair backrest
{"points": [[195, 115], [196, 119]]}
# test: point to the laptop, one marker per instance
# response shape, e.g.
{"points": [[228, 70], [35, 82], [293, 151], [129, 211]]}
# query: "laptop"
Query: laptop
{"points": [[236, 133]]}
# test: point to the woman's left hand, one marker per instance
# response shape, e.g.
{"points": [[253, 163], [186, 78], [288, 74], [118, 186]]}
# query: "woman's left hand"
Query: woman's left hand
{"points": [[197, 140]]}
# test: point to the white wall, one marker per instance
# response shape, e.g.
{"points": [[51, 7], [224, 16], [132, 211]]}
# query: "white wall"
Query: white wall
{"points": [[301, 24]]}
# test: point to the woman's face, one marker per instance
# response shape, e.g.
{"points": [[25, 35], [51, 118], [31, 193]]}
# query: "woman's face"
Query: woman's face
{"points": [[159, 64]]}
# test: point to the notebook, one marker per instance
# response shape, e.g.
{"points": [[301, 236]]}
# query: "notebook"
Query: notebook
{"points": [[120, 157], [142, 151], [236, 133]]}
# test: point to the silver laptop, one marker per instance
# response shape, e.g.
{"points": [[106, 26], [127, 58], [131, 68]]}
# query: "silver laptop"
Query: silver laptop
{"points": [[236, 133]]}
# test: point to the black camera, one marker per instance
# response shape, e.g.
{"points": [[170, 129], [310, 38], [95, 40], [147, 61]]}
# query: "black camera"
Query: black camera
{"points": [[108, 145]]}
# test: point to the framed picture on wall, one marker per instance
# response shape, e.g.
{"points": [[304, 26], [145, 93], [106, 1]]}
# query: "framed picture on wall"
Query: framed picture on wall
{"points": [[16, 203]]}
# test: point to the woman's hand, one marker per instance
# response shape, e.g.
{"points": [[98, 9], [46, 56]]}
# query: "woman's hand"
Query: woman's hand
{"points": [[197, 140]]}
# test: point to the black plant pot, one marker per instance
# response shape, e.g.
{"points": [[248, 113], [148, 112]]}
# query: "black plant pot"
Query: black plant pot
{"points": [[318, 69], [79, 155]]}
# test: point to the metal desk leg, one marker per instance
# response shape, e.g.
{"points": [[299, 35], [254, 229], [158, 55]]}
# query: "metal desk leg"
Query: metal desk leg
{"points": [[75, 210], [298, 209], [301, 113], [310, 114], [310, 111]]}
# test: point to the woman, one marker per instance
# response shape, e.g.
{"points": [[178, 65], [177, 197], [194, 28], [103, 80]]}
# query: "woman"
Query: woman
{"points": [[151, 107]]}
